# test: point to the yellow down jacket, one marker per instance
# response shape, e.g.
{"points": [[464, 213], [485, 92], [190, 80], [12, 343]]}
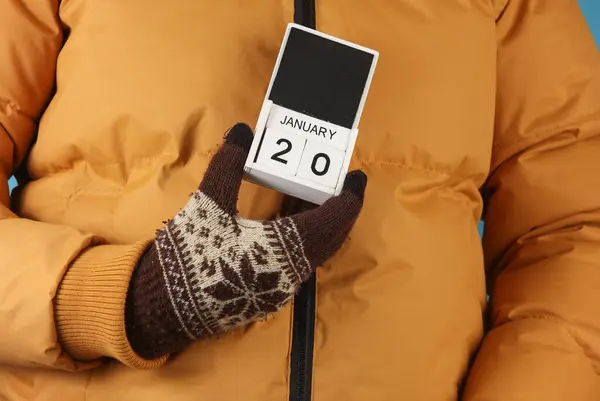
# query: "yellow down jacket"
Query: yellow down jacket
{"points": [[110, 111]]}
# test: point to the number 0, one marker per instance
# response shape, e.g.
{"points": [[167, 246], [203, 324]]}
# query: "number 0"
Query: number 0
{"points": [[277, 156], [313, 167]]}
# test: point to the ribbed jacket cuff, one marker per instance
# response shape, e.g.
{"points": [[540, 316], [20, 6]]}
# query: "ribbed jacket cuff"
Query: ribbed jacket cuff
{"points": [[90, 305]]}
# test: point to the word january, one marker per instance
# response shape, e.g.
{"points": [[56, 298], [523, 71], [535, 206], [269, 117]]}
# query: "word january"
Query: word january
{"points": [[307, 127]]}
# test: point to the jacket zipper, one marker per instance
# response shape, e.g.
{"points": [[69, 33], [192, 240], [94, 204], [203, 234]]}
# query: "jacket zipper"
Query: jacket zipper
{"points": [[303, 336], [304, 13], [303, 331]]}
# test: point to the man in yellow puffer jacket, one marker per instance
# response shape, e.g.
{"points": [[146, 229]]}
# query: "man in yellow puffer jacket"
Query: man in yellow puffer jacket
{"points": [[110, 112]]}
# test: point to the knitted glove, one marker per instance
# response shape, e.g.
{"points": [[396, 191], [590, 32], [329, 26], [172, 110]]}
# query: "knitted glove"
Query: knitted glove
{"points": [[209, 270]]}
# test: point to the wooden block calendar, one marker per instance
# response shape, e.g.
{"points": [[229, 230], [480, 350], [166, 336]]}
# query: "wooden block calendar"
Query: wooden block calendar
{"points": [[308, 124]]}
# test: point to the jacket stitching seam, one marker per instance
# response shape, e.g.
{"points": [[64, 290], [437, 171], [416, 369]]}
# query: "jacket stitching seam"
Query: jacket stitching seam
{"points": [[8, 104], [118, 162], [501, 145], [80, 192], [581, 345], [400, 165], [567, 326], [450, 194]]}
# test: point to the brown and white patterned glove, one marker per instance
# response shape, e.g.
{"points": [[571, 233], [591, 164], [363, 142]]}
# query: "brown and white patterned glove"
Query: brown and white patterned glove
{"points": [[210, 270]]}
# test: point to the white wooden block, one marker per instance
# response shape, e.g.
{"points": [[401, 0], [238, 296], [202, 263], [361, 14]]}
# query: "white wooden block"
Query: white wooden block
{"points": [[321, 164], [346, 164], [280, 152], [293, 186], [308, 127]]}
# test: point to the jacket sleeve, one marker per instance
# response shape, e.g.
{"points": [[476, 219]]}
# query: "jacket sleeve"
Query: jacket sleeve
{"points": [[542, 233], [56, 283]]}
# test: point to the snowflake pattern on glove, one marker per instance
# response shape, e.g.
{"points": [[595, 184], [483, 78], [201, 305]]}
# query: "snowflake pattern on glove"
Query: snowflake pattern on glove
{"points": [[260, 271]]}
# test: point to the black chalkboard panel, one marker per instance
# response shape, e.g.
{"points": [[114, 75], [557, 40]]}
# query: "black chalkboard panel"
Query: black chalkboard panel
{"points": [[321, 78]]}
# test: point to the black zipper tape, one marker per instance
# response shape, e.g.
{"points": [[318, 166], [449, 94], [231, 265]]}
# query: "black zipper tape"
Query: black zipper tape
{"points": [[304, 13], [303, 332], [303, 337]]}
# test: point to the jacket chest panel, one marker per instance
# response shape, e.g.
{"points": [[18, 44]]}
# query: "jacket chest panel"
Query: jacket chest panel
{"points": [[173, 77], [431, 104], [176, 75], [143, 91]]}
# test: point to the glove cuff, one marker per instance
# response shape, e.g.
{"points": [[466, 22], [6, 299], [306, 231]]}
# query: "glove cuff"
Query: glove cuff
{"points": [[90, 305]]}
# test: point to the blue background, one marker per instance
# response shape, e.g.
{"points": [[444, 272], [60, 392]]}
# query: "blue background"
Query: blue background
{"points": [[591, 10]]}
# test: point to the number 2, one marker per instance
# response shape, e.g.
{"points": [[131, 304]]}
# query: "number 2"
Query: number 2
{"points": [[277, 156]]}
